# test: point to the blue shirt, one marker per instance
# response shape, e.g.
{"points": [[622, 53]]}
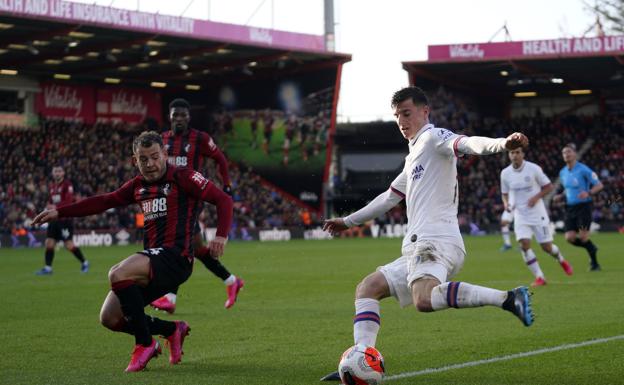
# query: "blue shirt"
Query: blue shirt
{"points": [[580, 178]]}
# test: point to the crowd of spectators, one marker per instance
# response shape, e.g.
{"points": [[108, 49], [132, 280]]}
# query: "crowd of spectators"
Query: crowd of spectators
{"points": [[97, 159]]}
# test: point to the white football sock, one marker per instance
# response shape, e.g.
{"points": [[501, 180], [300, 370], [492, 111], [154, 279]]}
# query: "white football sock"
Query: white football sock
{"points": [[171, 297], [506, 237], [462, 294], [555, 252], [531, 261], [230, 280], [366, 321]]}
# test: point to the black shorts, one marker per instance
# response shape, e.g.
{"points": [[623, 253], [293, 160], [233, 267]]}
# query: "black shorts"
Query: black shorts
{"points": [[578, 217], [169, 269], [61, 230]]}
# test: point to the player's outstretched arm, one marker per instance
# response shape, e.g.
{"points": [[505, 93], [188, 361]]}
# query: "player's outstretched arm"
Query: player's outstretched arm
{"points": [[480, 145], [378, 206], [45, 216], [89, 206], [198, 186]]}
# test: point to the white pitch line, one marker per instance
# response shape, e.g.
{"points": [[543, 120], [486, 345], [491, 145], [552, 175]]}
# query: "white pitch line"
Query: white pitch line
{"points": [[503, 358]]}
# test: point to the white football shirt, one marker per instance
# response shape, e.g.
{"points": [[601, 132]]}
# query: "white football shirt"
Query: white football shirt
{"points": [[521, 184], [428, 183]]}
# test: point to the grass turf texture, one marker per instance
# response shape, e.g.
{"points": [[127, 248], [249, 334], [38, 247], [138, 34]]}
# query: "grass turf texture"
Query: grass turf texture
{"points": [[294, 318]]}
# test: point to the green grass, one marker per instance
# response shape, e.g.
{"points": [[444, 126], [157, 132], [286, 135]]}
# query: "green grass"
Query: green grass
{"points": [[294, 319]]}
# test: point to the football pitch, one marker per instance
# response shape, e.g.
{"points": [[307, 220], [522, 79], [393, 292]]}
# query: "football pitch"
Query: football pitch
{"points": [[294, 319]]}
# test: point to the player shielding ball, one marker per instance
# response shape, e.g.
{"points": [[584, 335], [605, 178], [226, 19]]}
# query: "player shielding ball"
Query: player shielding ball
{"points": [[433, 249], [523, 185], [170, 199]]}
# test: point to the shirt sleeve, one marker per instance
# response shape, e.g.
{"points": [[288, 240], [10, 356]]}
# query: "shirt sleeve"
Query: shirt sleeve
{"points": [[479, 145], [591, 176], [504, 184], [540, 177], [195, 184], [209, 148], [399, 185], [123, 196], [446, 141]]}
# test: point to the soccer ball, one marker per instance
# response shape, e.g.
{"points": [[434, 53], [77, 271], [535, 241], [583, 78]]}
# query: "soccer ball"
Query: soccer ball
{"points": [[361, 365]]}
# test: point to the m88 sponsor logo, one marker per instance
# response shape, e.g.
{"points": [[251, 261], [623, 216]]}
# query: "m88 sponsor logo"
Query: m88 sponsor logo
{"points": [[154, 208]]}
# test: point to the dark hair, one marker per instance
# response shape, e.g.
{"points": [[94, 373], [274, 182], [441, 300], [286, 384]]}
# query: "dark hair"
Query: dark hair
{"points": [[415, 93], [146, 139], [181, 103], [571, 146]]}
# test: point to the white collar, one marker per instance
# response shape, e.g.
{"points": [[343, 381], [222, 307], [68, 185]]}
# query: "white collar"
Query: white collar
{"points": [[519, 169], [422, 130]]}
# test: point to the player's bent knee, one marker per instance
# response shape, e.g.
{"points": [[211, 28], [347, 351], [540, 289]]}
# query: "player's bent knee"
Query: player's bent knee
{"points": [[109, 321], [373, 286], [116, 274], [423, 305]]}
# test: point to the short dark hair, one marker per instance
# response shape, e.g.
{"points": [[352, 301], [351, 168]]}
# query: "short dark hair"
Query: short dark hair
{"points": [[146, 139], [571, 146], [179, 102], [415, 93]]}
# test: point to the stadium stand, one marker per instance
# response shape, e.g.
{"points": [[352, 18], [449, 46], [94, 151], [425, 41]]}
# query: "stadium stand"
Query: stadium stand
{"points": [[96, 157]]}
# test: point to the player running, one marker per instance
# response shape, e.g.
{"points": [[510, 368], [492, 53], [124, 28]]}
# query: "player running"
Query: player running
{"points": [[433, 249], [505, 221], [580, 183], [170, 199], [524, 184], [188, 147], [61, 193]]}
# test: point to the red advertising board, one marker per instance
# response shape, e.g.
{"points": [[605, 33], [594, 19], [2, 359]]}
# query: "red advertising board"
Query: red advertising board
{"points": [[86, 104], [128, 105], [66, 101]]}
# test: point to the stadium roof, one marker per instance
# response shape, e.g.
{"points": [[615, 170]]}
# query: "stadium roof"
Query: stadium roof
{"points": [[547, 67], [92, 43]]}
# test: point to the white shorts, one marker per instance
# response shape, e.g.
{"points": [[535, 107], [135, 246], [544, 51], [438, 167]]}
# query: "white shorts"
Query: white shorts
{"points": [[437, 259], [507, 216], [542, 233]]}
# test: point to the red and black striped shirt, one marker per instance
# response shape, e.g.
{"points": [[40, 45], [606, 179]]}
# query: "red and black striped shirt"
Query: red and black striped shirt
{"points": [[61, 193], [188, 150], [170, 207]]}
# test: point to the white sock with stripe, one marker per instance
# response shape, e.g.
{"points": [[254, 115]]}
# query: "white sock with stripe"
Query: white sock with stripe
{"points": [[366, 321], [462, 294], [531, 261], [506, 236], [555, 252]]}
